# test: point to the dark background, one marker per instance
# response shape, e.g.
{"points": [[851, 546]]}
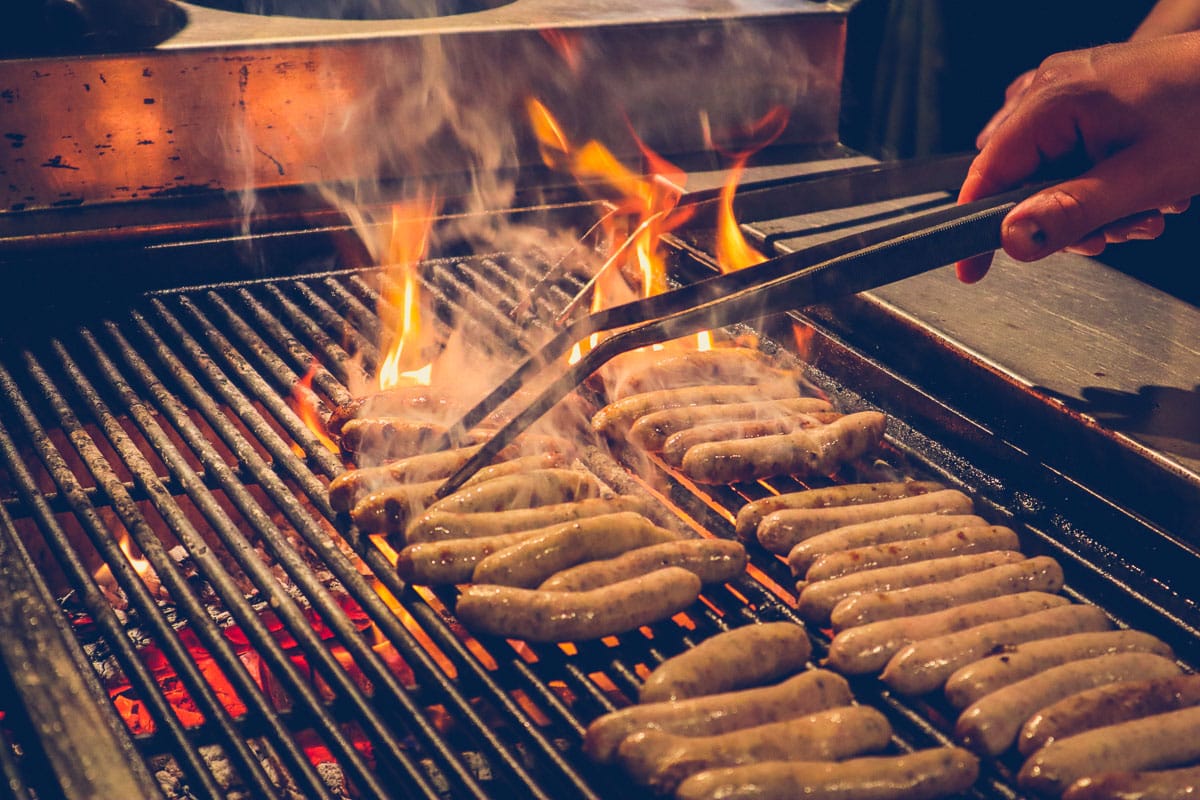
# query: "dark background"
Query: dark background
{"points": [[924, 76]]}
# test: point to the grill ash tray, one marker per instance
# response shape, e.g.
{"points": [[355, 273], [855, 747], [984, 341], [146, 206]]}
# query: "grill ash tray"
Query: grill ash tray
{"points": [[168, 422]]}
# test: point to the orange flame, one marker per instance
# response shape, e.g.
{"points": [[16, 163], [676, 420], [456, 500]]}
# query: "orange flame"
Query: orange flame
{"points": [[566, 44], [733, 251], [399, 302], [304, 402]]}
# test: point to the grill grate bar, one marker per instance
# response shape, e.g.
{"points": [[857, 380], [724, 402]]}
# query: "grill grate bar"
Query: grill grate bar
{"points": [[135, 590], [363, 352], [362, 320], [278, 600], [318, 539], [280, 372], [88, 594], [347, 367], [153, 549]]}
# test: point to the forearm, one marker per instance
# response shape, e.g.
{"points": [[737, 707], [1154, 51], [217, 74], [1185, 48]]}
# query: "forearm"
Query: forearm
{"points": [[1167, 17]]}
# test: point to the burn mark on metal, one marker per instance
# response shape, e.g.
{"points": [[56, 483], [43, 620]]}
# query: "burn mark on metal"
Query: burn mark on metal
{"points": [[16, 140], [271, 158], [57, 162]]}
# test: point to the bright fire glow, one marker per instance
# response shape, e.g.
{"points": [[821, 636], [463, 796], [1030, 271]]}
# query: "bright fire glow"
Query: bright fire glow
{"points": [[399, 301], [304, 402], [733, 251]]}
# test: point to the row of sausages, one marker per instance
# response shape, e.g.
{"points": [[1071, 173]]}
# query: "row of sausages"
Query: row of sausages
{"points": [[740, 716], [918, 589]]}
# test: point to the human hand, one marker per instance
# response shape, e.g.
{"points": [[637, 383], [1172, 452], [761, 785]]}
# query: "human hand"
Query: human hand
{"points": [[1131, 112], [1012, 98]]}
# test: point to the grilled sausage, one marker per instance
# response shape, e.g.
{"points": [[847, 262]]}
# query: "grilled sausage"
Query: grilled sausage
{"points": [[533, 560], [1107, 705], [810, 691], [924, 666], [818, 599], [746, 656], [389, 509], [409, 402], [922, 775], [868, 648], [526, 490], [876, 532], [1163, 740], [849, 494], [1040, 574], [969, 683], [440, 525], [958, 541], [615, 418], [780, 531], [814, 451], [652, 430], [454, 560], [677, 445], [712, 560], [352, 485], [381, 438], [644, 371], [991, 723], [576, 616], [1156, 784], [662, 760]]}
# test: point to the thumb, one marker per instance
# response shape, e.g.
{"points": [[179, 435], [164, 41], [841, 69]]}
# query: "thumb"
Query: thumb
{"points": [[1063, 214]]}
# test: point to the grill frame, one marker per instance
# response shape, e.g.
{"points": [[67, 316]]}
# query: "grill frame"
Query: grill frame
{"points": [[1099, 572]]}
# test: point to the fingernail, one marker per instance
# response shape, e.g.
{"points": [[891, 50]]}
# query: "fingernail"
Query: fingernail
{"points": [[1024, 239]]}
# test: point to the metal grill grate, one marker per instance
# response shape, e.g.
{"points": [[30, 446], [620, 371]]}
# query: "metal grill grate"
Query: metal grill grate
{"points": [[305, 666]]}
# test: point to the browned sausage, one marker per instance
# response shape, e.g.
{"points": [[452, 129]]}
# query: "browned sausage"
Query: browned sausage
{"points": [[813, 451], [876, 532], [652, 430], [526, 490], [780, 531], [440, 525], [652, 370], [990, 724], [811, 690], [376, 439], [389, 509], [712, 560], [958, 541], [1154, 784], [677, 445], [969, 683], [615, 418], [576, 616], [924, 666], [849, 494], [531, 561], [1040, 574], [348, 488], [662, 760], [868, 648], [1163, 740], [923, 775], [818, 599], [1107, 705], [454, 560], [409, 402], [746, 656]]}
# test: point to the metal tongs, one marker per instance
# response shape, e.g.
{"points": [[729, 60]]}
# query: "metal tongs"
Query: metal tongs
{"points": [[813, 275]]}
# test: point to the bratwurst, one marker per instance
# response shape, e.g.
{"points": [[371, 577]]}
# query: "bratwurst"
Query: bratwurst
{"points": [[922, 775], [538, 616], [708, 715], [876, 532], [651, 431], [712, 560], [849, 494], [813, 451], [752, 654]]}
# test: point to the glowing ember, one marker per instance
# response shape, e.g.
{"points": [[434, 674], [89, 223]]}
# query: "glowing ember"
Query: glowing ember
{"points": [[399, 301], [304, 402]]}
